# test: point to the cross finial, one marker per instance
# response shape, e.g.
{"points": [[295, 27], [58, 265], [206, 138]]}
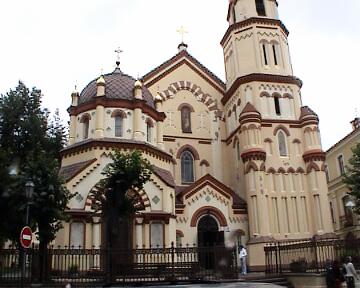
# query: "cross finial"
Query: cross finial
{"points": [[182, 31], [118, 51]]}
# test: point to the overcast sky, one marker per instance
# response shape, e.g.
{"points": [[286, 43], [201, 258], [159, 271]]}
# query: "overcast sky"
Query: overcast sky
{"points": [[55, 45]]}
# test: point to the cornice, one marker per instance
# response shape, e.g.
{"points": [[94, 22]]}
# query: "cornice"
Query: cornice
{"points": [[253, 154], [251, 21], [314, 155], [259, 77], [107, 143], [117, 103]]}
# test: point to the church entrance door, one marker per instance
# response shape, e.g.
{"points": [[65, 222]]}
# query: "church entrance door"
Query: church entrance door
{"points": [[209, 237]]}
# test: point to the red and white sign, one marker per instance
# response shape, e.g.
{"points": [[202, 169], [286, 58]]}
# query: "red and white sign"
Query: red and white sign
{"points": [[26, 237]]}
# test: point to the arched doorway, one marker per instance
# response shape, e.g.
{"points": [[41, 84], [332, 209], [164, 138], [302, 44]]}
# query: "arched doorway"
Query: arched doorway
{"points": [[208, 232], [209, 237]]}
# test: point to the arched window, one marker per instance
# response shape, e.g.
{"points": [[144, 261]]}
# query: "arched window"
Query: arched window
{"points": [[274, 49], [187, 167], [260, 7], [149, 125], [238, 153], [263, 45], [85, 119], [282, 143], [186, 119], [277, 105], [119, 126]]}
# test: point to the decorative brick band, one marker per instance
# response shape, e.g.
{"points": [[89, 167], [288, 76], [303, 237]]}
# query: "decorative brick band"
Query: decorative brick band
{"points": [[314, 155], [253, 154], [196, 91], [208, 210]]}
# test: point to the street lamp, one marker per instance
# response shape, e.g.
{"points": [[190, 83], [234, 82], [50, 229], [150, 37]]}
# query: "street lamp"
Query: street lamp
{"points": [[29, 189], [350, 204]]}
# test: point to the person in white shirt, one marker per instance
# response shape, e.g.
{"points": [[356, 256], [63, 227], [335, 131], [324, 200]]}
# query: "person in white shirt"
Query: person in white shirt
{"points": [[350, 273], [242, 255]]}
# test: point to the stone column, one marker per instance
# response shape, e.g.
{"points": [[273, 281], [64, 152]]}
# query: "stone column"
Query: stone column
{"points": [[139, 232], [72, 132], [99, 129]]}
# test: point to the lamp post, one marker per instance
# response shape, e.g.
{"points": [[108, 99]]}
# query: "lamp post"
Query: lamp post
{"points": [[350, 206], [29, 189]]}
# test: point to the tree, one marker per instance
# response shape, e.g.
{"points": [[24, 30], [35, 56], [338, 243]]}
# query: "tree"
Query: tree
{"points": [[31, 139], [352, 177], [116, 196]]}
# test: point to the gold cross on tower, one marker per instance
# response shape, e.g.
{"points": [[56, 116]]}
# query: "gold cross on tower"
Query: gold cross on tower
{"points": [[182, 32], [118, 51]]}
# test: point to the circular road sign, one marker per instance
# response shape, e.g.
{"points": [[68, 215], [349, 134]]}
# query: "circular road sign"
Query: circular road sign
{"points": [[26, 237]]}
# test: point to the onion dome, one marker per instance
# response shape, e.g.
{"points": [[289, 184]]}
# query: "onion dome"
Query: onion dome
{"points": [[118, 86]]}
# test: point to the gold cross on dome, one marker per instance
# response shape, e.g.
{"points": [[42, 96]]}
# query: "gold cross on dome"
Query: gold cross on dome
{"points": [[118, 51], [182, 31]]}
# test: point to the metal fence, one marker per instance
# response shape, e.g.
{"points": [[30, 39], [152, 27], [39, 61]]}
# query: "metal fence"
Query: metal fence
{"points": [[94, 267], [309, 255]]}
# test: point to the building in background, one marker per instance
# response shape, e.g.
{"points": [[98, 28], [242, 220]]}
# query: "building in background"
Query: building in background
{"points": [[345, 221], [235, 163]]}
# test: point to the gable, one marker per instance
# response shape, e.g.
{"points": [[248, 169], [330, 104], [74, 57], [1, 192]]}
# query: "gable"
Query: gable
{"points": [[183, 58]]}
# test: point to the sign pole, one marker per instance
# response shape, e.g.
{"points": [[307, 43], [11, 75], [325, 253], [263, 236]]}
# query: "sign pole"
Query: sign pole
{"points": [[25, 241]]}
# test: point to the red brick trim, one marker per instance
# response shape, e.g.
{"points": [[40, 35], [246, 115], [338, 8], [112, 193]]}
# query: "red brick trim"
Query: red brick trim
{"points": [[249, 166], [291, 170], [85, 117], [208, 210], [191, 149], [180, 233], [312, 166], [281, 170], [271, 170], [108, 143], [157, 216], [253, 154], [314, 155], [281, 127], [183, 105], [259, 77], [252, 21], [300, 170], [117, 103], [204, 162], [118, 112]]}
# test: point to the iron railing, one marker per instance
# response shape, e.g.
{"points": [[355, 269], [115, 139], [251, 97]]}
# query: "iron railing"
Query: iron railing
{"points": [[309, 255], [94, 267]]}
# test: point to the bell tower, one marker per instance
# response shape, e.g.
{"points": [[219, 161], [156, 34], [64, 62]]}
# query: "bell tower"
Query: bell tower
{"points": [[282, 172]]}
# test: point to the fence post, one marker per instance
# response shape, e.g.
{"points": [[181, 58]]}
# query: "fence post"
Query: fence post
{"points": [[172, 251], [278, 260], [316, 255]]}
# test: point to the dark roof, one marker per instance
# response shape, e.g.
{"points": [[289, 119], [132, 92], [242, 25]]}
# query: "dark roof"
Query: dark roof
{"points": [[307, 111], [70, 171], [164, 175], [249, 108], [117, 86], [192, 59]]}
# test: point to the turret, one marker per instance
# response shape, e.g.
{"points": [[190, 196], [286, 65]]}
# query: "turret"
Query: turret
{"points": [[100, 84], [138, 90], [160, 124]]}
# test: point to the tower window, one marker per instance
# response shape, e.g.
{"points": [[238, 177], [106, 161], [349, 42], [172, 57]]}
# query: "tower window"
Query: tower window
{"points": [[260, 7], [274, 53], [265, 54], [282, 143], [118, 126], [187, 167], [149, 125], [85, 120], [277, 106]]}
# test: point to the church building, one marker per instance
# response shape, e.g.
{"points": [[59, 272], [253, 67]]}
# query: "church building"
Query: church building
{"points": [[235, 162]]}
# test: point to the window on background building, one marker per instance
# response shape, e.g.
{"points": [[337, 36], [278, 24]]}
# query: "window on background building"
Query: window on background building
{"points": [[327, 173], [277, 105], [260, 7], [186, 119], [332, 212], [86, 128], [187, 167], [341, 164], [282, 143], [119, 126]]}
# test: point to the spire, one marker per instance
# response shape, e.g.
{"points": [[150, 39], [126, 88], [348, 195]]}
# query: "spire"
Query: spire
{"points": [[182, 31], [118, 51]]}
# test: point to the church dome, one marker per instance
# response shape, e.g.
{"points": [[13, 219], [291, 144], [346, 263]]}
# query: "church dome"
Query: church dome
{"points": [[117, 86]]}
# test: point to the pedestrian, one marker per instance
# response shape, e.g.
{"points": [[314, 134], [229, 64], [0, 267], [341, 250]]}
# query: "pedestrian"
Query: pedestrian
{"points": [[351, 274], [338, 276], [330, 283], [243, 255]]}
